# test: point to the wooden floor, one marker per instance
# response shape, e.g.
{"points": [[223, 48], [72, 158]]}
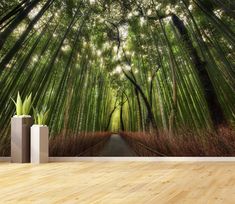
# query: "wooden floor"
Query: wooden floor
{"points": [[118, 182]]}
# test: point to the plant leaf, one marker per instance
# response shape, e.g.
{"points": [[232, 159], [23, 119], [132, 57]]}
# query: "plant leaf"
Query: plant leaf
{"points": [[18, 105]]}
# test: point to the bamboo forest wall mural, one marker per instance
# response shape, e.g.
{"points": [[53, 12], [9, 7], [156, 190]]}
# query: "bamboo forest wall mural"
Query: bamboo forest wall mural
{"points": [[121, 77]]}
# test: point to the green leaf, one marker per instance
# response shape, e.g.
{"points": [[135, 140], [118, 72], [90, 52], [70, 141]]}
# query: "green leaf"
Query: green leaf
{"points": [[27, 104], [40, 117], [18, 105]]}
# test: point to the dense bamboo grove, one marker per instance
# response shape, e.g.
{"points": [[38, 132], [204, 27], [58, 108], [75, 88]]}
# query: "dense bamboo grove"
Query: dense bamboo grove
{"points": [[121, 65]]}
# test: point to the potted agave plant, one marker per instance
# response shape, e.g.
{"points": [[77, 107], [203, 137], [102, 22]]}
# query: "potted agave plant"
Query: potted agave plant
{"points": [[20, 130], [39, 137]]}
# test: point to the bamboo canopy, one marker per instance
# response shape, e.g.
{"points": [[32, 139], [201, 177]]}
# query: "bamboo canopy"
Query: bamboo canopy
{"points": [[126, 65]]}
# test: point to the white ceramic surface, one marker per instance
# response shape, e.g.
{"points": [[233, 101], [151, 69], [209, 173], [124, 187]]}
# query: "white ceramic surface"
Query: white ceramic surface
{"points": [[39, 144]]}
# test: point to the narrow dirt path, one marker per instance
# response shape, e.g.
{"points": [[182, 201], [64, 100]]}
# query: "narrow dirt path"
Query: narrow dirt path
{"points": [[116, 146]]}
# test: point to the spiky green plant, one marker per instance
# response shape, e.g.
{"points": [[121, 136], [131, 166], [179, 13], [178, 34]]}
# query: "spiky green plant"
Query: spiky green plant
{"points": [[26, 107], [18, 104], [41, 116], [23, 108]]}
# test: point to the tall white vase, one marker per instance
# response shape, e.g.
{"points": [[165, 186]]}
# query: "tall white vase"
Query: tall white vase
{"points": [[39, 144], [20, 138]]}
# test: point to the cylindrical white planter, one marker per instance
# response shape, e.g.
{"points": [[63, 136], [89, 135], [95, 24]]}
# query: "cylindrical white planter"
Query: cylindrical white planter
{"points": [[39, 144], [20, 138]]}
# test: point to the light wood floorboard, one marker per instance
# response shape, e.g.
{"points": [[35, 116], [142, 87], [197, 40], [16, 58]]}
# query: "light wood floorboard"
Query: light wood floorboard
{"points": [[118, 183]]}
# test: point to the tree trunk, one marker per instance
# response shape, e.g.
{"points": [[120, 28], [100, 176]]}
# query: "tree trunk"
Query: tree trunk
{"points": [[20, 17], [139, 106], [173, 66], [214, 107], [22, 38], [110, 117], [150, 115], [174, 97], [67, 69], [219, 24], [13, 12], [121, 115]]}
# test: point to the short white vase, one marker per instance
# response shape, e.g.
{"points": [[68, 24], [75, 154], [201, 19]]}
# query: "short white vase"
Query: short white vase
{"points": [[39, 144]]}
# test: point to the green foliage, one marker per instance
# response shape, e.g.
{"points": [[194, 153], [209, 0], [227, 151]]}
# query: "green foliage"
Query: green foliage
{"points": [[23, 108], [68, 60], [41, 117], [26, 107], [18, 105]]}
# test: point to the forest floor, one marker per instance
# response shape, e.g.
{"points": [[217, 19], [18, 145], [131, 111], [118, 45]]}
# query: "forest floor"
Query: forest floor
{"points": [[185, 143]]}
